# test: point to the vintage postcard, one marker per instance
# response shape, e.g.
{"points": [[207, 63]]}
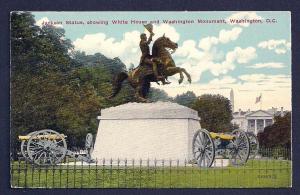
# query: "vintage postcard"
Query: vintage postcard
{"points": [[151, 99]]}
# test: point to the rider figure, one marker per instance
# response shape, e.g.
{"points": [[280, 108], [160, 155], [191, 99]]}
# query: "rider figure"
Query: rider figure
{"points": [[146, 57]]}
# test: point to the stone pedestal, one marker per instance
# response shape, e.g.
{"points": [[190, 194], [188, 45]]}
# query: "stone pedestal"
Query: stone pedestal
{"points": [[161, 130]]}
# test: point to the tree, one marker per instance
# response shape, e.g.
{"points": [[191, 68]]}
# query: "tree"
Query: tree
{"points": [[158, 95], [38, 50], [186, 99], [278, 134], [53, 88], [215, 112], [101, 71], [39, 65]]}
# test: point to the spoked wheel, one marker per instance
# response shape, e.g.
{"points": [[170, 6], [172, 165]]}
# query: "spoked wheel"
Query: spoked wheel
{"points": [[203, 148], [24, 147], [46, 147], [254, 145], [239, 153]]}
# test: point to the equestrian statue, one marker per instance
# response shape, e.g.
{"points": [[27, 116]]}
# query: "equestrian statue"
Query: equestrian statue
{"points": [[152, 68]]}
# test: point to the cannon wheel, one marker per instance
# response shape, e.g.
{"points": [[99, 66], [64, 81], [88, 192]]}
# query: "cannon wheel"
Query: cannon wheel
{"points": [[43, 150], [203, 148], [240, 151], [24, 147], [254, 145]]}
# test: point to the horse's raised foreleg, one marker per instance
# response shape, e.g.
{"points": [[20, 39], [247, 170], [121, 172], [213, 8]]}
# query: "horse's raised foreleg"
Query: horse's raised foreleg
{"points": [[174, 70], [181, 77], [187, 75]]}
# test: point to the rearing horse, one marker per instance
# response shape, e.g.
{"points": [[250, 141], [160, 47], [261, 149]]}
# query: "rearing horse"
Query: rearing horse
{"points": [[141, 77], [169, 68]]}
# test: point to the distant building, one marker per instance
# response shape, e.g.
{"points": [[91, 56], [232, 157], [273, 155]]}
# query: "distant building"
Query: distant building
{"points": [[232, 100], [255, 121]]}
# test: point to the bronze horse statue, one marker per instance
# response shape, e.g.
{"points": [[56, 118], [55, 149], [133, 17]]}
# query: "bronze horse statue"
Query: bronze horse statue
{"points": [[141, 77]]}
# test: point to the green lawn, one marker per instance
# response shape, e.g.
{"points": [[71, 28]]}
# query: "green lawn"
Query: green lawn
{"points": [[256, 173]]}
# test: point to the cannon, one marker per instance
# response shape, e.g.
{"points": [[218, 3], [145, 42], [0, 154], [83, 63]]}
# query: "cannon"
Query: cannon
{"points": [[48, 147], [237, 146]]}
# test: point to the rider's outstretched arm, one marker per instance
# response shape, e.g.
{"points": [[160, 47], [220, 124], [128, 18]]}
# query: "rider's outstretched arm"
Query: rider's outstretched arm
{"points": [[150, 38]]}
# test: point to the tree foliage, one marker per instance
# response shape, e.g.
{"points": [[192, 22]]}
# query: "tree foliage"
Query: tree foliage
{"points": [[215, 112], [158, 95], [186, 99], [278, 134]]}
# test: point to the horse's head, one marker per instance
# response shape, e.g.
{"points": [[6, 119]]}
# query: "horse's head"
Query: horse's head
{"points": [[166, 43]]}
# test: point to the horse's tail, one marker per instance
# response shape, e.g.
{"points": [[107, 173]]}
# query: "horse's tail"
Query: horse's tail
{"points": [[145, 87], [117, 83]]}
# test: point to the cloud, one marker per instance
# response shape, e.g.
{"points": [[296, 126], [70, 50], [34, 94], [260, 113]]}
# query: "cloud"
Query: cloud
{"points": [[206, 57], [166, 29], [236, 56], [243, 16], [189, 51], [43, 20], [278, 46], [224, 80], [225, 36], [126, 49], [229, 35], [278, 80], [267, 65], [240, 55], [196, 61], [207, 42]]}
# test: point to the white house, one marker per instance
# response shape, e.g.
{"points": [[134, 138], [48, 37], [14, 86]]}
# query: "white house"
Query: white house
{"points": [[255, 121]]}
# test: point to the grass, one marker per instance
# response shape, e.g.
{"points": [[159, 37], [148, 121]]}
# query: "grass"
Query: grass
{"points": [[255, 174]]}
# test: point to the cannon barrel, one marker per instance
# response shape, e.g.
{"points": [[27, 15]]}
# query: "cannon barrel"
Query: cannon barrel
{"points": [[221, 136], [50, 137]]}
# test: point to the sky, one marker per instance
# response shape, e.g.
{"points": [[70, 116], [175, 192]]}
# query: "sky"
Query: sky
{"points": [[250, 58]]}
